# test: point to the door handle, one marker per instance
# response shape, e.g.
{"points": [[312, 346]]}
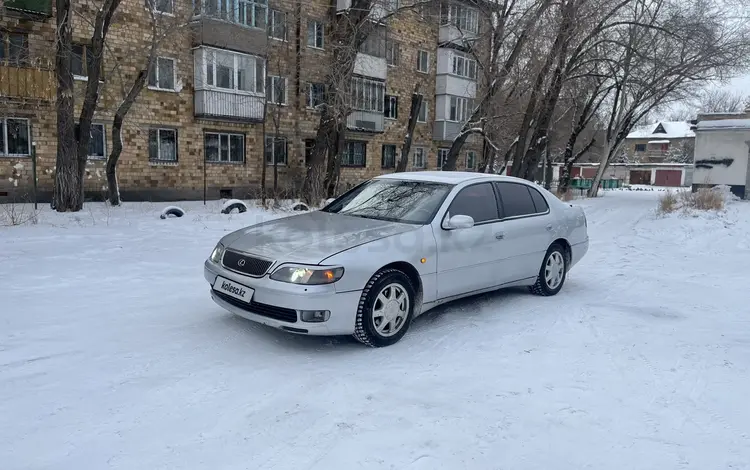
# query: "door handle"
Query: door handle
{"points": [[499, 235], [549, 227]]}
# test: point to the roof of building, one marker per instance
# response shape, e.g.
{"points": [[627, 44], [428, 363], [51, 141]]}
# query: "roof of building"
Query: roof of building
{"points": [[450, 177], [724, 124], [663, 130]]}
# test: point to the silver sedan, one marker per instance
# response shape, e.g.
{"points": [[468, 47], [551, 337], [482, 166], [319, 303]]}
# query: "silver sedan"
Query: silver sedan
{"points": [[394, 247]]}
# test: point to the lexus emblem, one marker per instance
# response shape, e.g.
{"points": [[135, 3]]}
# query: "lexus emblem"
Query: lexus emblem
{"points": [[241, 263]]}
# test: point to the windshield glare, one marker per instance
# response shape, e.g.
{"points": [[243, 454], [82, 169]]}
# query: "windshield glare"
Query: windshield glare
{"points": [[413, 202]]}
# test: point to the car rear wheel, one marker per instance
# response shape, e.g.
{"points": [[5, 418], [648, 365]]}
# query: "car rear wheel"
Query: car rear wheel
{"points": [[385, 309], [553, 272]]}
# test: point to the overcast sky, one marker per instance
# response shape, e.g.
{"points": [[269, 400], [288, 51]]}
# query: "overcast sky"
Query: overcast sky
{"points": [[742, 85]]}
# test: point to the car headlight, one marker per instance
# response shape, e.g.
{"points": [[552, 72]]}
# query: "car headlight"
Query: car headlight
{"points": [[217, 253], [308, 275]]}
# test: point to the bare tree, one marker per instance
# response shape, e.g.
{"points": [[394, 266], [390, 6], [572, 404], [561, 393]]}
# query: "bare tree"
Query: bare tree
{"points": [[511, 24], [162, 28], [667, 49]]}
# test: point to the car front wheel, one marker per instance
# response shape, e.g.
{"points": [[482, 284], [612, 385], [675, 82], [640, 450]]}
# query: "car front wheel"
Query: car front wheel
{"points": [[552, 273], [385, 309]]}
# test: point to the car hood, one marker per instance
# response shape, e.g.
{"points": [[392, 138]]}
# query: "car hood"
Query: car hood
{"points": [[311, 237]]}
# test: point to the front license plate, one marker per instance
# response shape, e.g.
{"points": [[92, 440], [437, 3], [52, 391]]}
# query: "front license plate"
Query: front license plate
{"points": [[238, 291]]}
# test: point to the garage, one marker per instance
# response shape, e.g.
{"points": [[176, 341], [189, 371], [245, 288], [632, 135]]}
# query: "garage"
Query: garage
{"points": [[640, 176], [668, 178], [589, 173]]}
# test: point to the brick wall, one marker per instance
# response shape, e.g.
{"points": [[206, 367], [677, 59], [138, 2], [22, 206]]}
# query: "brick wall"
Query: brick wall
{"points": [[141, 179]]}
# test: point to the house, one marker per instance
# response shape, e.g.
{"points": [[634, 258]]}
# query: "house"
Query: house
{"points": [[237, 90], [722, 149], [661, 142]]}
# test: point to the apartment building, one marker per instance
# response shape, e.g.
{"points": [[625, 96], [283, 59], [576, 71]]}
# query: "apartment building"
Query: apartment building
{"points": [[237, 89]]}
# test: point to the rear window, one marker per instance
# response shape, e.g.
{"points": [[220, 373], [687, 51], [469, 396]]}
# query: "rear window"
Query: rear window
{"points": [[516, 199], [539, 202]]}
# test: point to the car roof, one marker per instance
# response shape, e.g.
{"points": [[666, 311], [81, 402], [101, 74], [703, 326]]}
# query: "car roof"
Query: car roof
{"points": [[450, 177]]}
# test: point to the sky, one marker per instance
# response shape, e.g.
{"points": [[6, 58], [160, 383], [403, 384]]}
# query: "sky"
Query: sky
{"points": [[741, 85]]}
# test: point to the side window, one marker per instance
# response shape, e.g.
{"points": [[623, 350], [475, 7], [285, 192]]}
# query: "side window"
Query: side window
{"points": [[516, 199], [539, 202], [477, 201]]}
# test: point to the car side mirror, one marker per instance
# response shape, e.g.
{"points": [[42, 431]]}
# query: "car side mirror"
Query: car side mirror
{"points": [[458, 222]]}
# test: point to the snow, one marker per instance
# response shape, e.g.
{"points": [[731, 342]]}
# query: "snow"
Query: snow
{"points": [[112, 355], [724, 124], [675, 130]]}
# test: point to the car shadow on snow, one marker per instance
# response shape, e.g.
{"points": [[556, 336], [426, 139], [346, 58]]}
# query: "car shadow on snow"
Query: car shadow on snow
{"points": [[503, 305]]}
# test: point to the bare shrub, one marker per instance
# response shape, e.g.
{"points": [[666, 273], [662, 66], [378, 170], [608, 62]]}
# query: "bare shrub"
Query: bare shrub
{"points": [[704, 200], [668, 203], [17, 214]]}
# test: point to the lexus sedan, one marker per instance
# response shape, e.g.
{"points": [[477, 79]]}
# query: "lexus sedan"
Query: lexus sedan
{"points": [[394, 247]]}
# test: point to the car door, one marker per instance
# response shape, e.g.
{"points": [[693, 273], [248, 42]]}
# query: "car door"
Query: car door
{"points": [[527, 229], [467, 257]]}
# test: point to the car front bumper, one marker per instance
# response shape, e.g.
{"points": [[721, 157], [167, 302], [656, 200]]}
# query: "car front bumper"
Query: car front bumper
{"points": [[274, 299]]}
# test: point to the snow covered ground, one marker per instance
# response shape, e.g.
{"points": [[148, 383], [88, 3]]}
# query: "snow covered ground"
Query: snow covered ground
{"points": [[113, 356]]}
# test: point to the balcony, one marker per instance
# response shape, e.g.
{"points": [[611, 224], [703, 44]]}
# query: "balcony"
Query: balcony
{"points": [[445, 130], [365, 121], [214, 104], [450, 33], [34, 7], [456, 86], [27, 83], [371, 66], [239, 25]]}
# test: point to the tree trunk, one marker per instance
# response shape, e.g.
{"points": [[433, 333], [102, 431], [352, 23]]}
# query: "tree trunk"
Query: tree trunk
{"points": [[94, 72], [68, 194], [348, 36], [117, 123], [334, 163], [416, 105]]}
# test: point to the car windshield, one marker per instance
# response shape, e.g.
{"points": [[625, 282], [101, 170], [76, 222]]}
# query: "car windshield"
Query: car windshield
{"points": [[412, 202]]}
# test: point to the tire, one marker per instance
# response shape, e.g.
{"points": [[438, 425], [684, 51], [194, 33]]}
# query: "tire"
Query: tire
{"points": [[553, 259], [388, 282]]}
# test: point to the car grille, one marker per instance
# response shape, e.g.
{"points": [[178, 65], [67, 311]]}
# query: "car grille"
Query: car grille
{"points": [[277, 313], [245, 264]]}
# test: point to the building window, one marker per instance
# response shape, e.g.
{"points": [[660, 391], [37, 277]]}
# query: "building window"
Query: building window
{"points": [[309, 146], [97, 141], [276, 87], [315, 33], [161, 6], [419, 159], [464, 66], [161, 74], [462, 17], [14, 49], [640, 147], [442, 156], [392, 53], [460, 109], [251, 13], [276, 150], [391, 107], [277, 25], [15, 137], [81, 59], [232, 71], [423, 61], [355, 154], [388, 159], [162, 145], [316, 94], [471, 160], [375, 44], [422, 116], [221, 147], [367, 95]]}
